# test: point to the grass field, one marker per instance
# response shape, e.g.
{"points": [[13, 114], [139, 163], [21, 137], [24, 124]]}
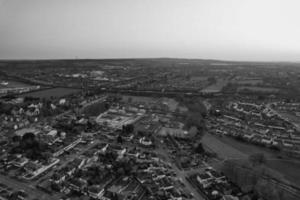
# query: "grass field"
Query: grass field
{"points": [[232, 149], [247, 148], [222, 149], [12, 84], [290, 170], [217, 87], [53, 92], [199, 78], [94, 109], [138, 99], [249, 81], [257, 89], [171, 103]]}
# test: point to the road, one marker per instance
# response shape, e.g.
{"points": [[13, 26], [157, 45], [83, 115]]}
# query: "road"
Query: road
{"points": [[33, 192], [67, 159], [28, 188], [181, 174], [102, 98]]}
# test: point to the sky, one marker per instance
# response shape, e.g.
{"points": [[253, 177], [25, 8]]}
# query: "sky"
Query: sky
{"points": [[250, 30]]}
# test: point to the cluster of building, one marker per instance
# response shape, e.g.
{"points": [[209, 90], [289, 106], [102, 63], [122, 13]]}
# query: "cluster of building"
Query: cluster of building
{"points": [[7, 88], [20, 112], [110, 171], [215, 186], [257, 123], [123, 165], [119, 117]]}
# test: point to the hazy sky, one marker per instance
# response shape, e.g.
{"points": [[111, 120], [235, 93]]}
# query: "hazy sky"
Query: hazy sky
{"points": [[217, 29]]}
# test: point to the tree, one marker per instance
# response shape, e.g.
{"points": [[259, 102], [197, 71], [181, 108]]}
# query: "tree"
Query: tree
{"points": [[212, 80], [257, 159], [46, 155], [114, 196], [5, 108], [129, 128], [129, 99], [55, 187], [199, 148], [268, 191], [195, 119], [255, 178], [120, 139], [16, 138], [27, 140], [120, 171], [30, 147]]}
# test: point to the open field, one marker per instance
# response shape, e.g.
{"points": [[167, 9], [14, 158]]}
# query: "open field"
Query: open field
{"points": [[247, 148], [228, 148], [94, 109], [257, 89], [198, 78], [249, 81], [222, 149], [171, 103], [290, 170], [53, 92], [11, 84], [138, 99], [217, 87]]}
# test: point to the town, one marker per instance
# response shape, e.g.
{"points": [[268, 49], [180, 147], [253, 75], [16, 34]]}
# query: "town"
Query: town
{"points": [[138, 129]]}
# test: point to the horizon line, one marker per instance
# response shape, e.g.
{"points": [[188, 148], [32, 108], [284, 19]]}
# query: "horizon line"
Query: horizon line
{"points": [[145, 58]]}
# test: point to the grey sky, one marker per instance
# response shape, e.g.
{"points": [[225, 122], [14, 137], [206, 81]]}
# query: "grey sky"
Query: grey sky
{"points": [[220, 29]]}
